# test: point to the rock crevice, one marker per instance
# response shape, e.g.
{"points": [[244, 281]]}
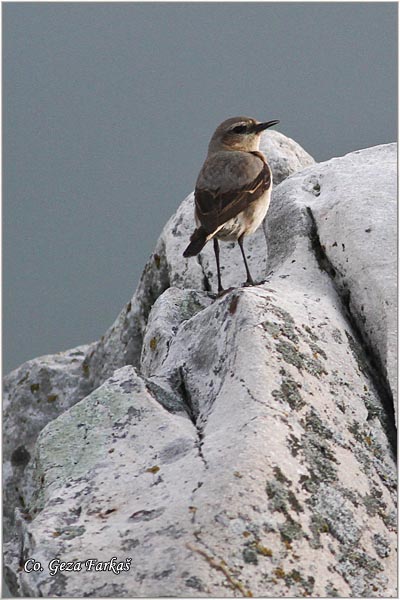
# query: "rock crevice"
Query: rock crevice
{"points": [[367, 356]]}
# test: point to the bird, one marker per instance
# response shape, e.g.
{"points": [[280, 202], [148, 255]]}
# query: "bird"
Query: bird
{"points": [[233, 189]]}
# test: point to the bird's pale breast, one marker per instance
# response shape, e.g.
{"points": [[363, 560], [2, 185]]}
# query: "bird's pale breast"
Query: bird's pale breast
{"points": [[247, 221]]}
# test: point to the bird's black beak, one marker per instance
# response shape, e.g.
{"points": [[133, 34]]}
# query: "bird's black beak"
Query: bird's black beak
{"points": [[261, 126]]}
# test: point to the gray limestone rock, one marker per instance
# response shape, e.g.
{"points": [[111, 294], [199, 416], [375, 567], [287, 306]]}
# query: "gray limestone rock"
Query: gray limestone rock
{"points": [[284, 155], [273, 467], [355, 216], [170, 310], [352, 204], [34, 394], [249, 450]]}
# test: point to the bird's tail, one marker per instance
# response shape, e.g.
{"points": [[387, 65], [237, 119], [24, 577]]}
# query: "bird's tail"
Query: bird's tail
{"points": [[198, 240]]}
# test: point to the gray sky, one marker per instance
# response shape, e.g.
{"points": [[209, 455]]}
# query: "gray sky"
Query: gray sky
{"points": [[108, 109]]}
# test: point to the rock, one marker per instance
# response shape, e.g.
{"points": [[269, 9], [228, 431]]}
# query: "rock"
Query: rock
{"points": [[280, 469], [105, 488], [352, 204], [284, 155], [250, 447], [170, 310], [355, 217], [34, 394]]}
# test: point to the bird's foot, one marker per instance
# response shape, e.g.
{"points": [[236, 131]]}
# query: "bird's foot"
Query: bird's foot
{"points": [[249, 282], [223, 292], [255, 283]]}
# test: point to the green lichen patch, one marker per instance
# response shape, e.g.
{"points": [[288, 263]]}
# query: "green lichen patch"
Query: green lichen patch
{"points": [[298, 359], [192, 304], [277, 330], [253, 547], [280, 476], [294, 444], [353, 497], [271, 328], [82, 430], [381, 545], [290, 354], [360, 571], [316, 350], [374, 504], [314, 423], [314, 366], [371, 454], [294, 503], [289, 392], [310, 332], [282, 314], [288, 331], [332, 514], [290, 530], [386, 472], [250, 556], [318, 526], [281, 498], [294, 577], [277, 495], [195, 582], [35, 387], [357, 430], [331, 591], [320, 459], [364, 459], [390, 520], [377, 449]]}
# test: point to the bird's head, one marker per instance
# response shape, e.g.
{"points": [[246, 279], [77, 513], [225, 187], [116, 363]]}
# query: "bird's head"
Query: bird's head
{"points": [[238, 133]]}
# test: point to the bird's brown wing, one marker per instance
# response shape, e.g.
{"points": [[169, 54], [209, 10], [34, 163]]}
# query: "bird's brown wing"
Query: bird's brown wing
{"points": [[216, 207]]}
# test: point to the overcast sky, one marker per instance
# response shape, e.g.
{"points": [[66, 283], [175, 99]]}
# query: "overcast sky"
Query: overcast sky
{"points": [[108, 109]]}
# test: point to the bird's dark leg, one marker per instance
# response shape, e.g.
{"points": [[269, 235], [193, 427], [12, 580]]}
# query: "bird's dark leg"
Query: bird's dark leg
{"points": [[216, 250], [249, 280]]}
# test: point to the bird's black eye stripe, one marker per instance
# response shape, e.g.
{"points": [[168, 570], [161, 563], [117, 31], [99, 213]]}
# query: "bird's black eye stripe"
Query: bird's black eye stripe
{"points": [[239, 129]]}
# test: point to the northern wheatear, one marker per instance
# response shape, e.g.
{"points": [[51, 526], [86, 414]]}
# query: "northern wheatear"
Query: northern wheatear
{"points": [[233, 188]]}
